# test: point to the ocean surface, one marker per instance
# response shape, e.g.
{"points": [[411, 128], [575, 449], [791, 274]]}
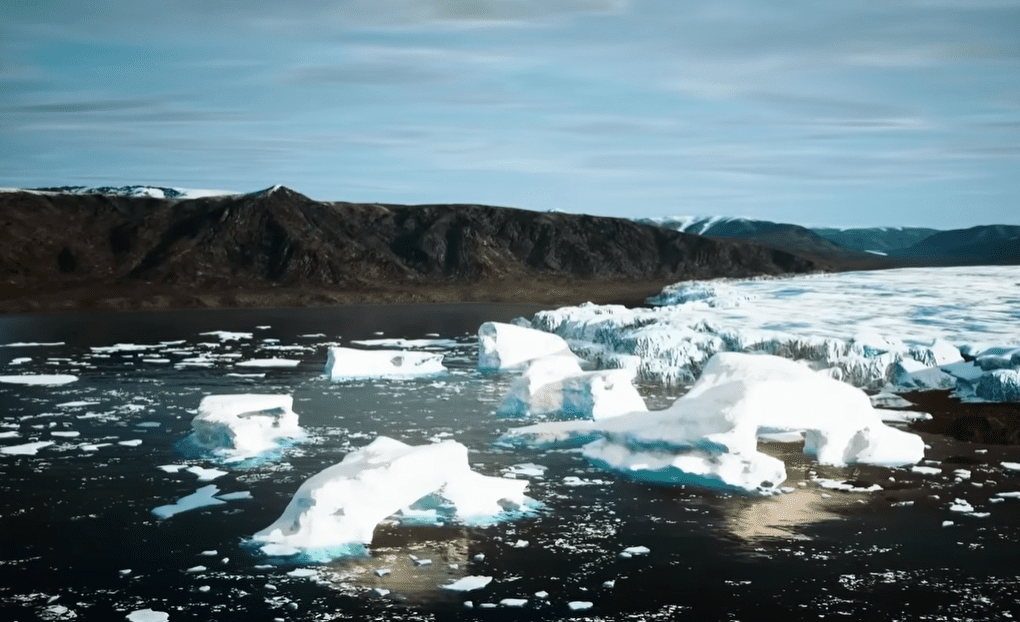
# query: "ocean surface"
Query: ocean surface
{"points": [[78, 539]]}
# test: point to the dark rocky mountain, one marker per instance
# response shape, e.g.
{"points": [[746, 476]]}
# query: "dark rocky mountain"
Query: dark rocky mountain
{"points": [[876, 239], [279, 248], [779, 236], [988, 244]]}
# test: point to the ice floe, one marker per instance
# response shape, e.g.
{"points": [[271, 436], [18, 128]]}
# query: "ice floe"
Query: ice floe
{"points": [[40, 379], [27, 449], [503, 346], [202, 497], [556, 384], [244, 425], [270, 362], [343, 363], [467, 584], [147, 615], [709, 436], [342, 504]]}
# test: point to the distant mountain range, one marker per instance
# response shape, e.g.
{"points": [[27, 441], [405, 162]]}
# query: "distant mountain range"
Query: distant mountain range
{"points": [[131, 248], [878, 247]]}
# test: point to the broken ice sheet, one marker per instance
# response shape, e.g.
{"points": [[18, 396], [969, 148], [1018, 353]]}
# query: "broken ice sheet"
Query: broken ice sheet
{"points": [[202, 497]]}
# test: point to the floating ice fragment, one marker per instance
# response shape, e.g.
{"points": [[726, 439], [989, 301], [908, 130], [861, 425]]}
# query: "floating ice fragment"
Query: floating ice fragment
{"points": [[235, 496], [303, 572], [343, 503], [502, 346], [40, 379], [960, 505], [422, 562], [135, 442], [28, 449], [1012, 466], [1008, 495], [206, 475], [344, 363], [637, 550], [196, 569], [380, 591], [513, 602], [832, 484], [520, 544], [580, 605], [926, 470], [270, 362], [148, 615], [239, 426], [10, 434], [200, 498], [407, 343], [24, 344], [556, 384], [77, 404], [228, 336], [211, 553], [65, 433]]}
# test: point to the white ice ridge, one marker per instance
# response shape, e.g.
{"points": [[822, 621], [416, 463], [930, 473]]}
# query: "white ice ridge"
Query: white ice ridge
{"points": [[556, 384], [856, 324], [343, 504], [244, 425], [709, 436], [503, 346], [344, 363]]}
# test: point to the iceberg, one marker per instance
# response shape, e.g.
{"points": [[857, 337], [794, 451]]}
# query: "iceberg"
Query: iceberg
{"points": [[344, 363], [244, 425], [708, 437], [556, 384], [504, 346], [342, 504]]}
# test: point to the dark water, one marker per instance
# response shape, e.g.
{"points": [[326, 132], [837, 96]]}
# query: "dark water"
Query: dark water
{"points": [[77, 536]]}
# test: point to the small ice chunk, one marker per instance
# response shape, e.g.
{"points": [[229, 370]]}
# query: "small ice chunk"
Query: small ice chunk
{"points": [[303, 572], [65, 433], [960, 505], [171, 468], [1008, 495], [520, 544], [206, 475], [422, 562], [502, 346], [580, 605], [210, 553], [196, 569], [135, 442], [1012, 466], [947, 523], [467, 584], [200, 498], [77, 404], [380, 591], [513, 602], [270, 362], [28, 449], [227, 335], [238, 426], [10, 434], [344, 363], [382, 572], [542, 594], [637, 550], [235, 496], [40, 379], [926, 470], [610, 584], [147, 615]]}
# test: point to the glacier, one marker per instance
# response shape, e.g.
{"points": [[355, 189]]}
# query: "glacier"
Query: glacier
{"points": [[342, 504], [708, 437], [873, 330]]}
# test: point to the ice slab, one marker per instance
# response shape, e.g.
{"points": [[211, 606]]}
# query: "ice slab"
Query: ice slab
{"points": [[270, 362], [503, 346], [147, 615], [202, 497], [28, 449], [407, 343], [467, 584], [556, 384], [709, 436], [244, 425], [344, 363], [40, 379], [342, 504]]}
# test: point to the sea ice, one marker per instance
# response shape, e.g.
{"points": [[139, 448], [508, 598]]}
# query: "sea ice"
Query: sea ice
{"points": [[503, 346], [343, 503], [580, 605], [466, 584], [344, 363], [556, 384], [200, 498], [244, 425], [709, 436], [147, 615], [28, 449], [40, 379], [270, 362]]}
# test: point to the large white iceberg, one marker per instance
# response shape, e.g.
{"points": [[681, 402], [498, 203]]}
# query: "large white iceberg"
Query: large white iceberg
{"points": [[709, 436], [344, 363], [244, 425], [343, 504], [503, 346], [556, 384]]}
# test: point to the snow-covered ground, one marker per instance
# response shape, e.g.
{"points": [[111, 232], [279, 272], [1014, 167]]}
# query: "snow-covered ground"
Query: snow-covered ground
{"points": [[858, 324]]}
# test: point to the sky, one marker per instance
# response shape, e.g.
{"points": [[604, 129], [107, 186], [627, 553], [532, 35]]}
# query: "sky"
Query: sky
{"points": [[821, 113]]}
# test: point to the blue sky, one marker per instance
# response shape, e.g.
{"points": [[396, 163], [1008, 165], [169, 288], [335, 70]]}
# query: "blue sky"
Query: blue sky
{"points": [[871, 112]]}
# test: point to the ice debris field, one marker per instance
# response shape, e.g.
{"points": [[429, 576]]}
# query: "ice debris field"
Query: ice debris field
{"points": [[553, 464]]}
